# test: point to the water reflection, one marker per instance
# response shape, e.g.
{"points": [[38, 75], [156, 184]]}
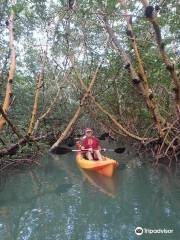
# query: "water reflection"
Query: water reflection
{"points": [[61, 202], [104, 184]]}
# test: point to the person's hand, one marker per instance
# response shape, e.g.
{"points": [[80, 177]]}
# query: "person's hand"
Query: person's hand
{"points": [[90, 149], [82, 148]]}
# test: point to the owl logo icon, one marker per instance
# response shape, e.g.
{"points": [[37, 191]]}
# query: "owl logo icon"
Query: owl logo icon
{"points": [[139, 231]]}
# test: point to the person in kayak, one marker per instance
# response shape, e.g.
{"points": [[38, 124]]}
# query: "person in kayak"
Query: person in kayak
{"points": [[92, 143]]}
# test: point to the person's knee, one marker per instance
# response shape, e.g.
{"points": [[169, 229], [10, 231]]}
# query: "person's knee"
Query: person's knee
{"points": [[89, 156], [98, 154], [96, 151]]}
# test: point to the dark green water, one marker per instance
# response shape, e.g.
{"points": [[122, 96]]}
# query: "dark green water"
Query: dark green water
{"points": [[58, 201]]}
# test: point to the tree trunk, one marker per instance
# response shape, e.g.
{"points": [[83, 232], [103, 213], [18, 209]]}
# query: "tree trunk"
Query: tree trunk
{"points": [[120, 127], [14, 129], [69, 127], [113, 119], [9, 93], [39, 85], [67, 130], [46, 113], [141, 84], [149, 12]]}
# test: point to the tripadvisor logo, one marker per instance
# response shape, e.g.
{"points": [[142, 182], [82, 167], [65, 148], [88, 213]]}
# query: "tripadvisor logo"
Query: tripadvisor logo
{"points": [[139, 231]]}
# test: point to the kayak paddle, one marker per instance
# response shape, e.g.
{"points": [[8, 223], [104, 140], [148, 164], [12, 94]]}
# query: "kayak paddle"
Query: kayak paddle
{"points": [[64, 150], [116, 150]]}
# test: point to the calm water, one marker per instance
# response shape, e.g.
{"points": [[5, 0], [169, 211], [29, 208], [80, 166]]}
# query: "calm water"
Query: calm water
{"points": [[58, 201]]}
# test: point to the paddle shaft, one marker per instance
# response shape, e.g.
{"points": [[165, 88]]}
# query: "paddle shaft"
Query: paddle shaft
{"points": [[79, 150], [61, 150], [103, 149]]}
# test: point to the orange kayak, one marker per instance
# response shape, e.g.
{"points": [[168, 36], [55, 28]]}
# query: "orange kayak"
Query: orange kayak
{"points": [[105, 167]]}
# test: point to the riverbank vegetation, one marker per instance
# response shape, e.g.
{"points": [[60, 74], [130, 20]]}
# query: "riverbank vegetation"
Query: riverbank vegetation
{"points": [[110, 65]]}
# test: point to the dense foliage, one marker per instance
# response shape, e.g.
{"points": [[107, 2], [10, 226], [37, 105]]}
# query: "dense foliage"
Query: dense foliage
{"points": [[75, 31]]}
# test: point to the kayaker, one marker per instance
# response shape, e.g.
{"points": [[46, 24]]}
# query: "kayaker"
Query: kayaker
{"points": [[78, 143], [92, 143]]}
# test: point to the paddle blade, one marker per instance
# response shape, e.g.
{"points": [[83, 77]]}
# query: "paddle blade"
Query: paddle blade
{"points": [[119, 150], [60, 150]]}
